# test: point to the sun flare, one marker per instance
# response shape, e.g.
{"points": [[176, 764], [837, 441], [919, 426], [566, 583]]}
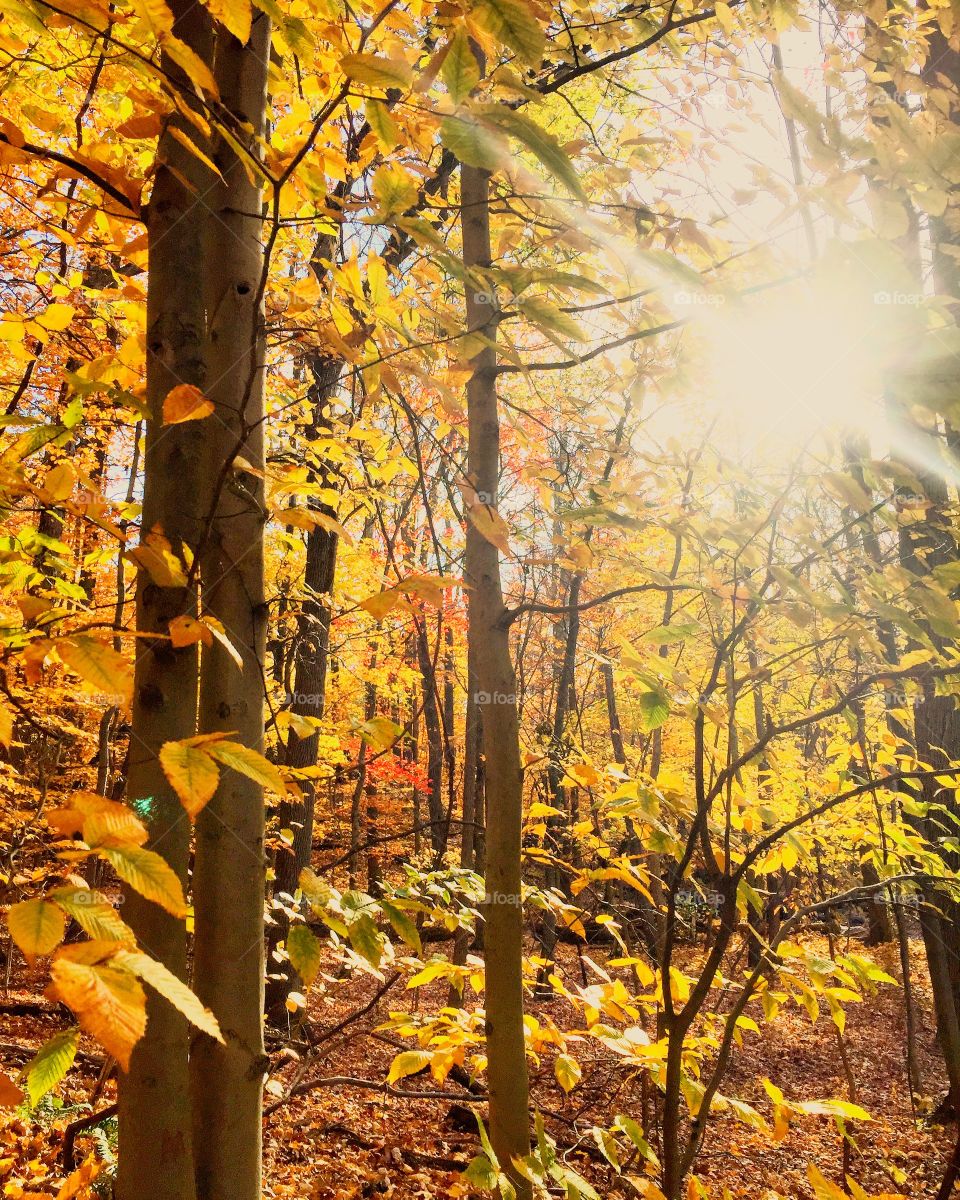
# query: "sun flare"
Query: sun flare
{"points": [[785, 368]]}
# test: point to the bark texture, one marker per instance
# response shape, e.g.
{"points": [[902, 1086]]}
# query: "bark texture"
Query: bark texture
{"points": [[489, 634], [229, 875], [154, 1097]]}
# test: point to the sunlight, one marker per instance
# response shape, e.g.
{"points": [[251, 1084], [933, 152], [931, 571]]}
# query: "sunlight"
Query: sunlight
{"points": [[785, 367]]}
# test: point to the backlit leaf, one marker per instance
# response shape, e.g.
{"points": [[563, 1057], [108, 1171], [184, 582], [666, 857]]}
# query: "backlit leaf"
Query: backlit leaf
{"points": [[102, 669], [37, 927], [192, 774], [148, 874], [185, 403], [235, 15], [109, 1003], [51, 1063], [249, 762], [304, 951], [162, 980]]}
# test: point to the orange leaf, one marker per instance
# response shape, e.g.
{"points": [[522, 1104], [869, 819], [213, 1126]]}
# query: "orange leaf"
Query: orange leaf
{"points": [[185, 403]]}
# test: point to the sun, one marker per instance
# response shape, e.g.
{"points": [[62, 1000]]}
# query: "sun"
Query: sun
{"points": [[783, 368]]}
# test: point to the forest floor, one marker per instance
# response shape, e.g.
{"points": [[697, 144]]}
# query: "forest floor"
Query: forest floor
{"points": [[341, 1141]]}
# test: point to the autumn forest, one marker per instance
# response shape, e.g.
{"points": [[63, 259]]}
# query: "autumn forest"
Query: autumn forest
{"points": [[479, 599]]}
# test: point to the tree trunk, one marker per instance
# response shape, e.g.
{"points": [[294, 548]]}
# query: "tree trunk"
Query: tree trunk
{"points": [[310, 652], [229, 874], [434, 728], [489, 634], [155, 1140], [613, 714]]}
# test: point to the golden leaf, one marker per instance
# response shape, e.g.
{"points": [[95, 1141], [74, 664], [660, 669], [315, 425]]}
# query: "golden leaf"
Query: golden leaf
{"points": [[192, 774], [185, 403], [37, 927], [109, 1003]]}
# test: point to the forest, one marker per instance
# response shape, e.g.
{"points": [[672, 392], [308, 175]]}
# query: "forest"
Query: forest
{"points": [[480, 599]]}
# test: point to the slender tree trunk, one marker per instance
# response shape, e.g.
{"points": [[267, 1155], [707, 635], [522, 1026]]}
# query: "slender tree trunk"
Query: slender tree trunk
{"points": [[155, 1141], [434, 729], [489, 634], [229, 875], [613, 714], [310, 653]]}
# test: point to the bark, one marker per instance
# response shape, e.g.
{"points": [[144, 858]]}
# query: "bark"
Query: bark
{"points": [[613, 715], [310, 654], [489, 634], [230, 869], [434, 728], [155, 1140]]}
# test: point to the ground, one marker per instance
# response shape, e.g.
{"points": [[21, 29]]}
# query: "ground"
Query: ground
{"points": [[340, 1141]]}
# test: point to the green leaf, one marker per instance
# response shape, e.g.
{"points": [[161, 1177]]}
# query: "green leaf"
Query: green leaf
{"points": [[304, 951], [513, 23], [366, 939], [394, 189], [551, 319], [51, 1063], [383, 125], [402, 925], [472, 143], [376, 71], [655, 708], [460, 71], [540, 143]]}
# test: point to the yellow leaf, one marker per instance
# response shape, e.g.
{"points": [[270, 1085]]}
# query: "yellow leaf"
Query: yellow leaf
{"points": [[113, 825], [96, 917], [190, 63], [185, 631], [156, 557], [149, 874], [407, 1063], [304, 951], [170, 987], [249, 762], [6, 726], [59, 481], [490, 525], [192, 773], [376, 71], [156, 14], [101, 668], [235, 15], [567, 1071], [185, 403], [56, 317], [109, 1003], [68, 821], [380, 604], [37, 927]]}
